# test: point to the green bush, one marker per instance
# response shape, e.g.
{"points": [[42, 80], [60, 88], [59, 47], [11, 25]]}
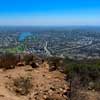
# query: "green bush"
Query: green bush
{"points": [[86, 71], [8, 60], [28, 58], [55, 63], [22, 85]]}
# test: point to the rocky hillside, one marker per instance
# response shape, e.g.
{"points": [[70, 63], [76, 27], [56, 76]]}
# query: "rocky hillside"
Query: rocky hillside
{"points": [[27, 83]]}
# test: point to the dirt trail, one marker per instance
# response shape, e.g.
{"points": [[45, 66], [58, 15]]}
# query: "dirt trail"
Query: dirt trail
{"points": [[46, 84]]}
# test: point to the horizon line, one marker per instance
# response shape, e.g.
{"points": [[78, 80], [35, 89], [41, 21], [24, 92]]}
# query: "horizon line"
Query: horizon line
{"points": [[52, 25]]}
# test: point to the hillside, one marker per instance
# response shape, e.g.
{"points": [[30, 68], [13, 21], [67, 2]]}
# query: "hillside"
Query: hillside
{"points": [[46, 85]]}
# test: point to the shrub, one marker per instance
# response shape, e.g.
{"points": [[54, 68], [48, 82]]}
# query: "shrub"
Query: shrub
{"points": [[86, 71], [55, 63], [76, 95], [8, 60], [22, 85], [28, 58]]}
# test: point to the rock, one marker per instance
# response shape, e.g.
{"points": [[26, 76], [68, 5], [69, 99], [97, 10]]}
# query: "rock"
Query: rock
{"points": [[50, 92], [52, 88], [34, 65], [45, 96], [21, 64], [61, 89], [2, 96], [48, 98], [1, 70], [52, 68], [91, 85]]}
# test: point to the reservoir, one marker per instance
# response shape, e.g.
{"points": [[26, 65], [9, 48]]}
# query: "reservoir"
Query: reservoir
{"points": [[24, 35]]}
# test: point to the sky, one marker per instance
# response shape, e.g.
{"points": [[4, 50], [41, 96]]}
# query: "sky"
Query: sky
{"points": [[50, 12]]}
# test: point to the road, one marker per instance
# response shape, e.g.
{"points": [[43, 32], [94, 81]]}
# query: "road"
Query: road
{"points": [[46, 49]]}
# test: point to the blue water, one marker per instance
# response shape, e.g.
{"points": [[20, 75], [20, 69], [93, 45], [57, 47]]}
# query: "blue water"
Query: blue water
{"points": [[24, 35]]}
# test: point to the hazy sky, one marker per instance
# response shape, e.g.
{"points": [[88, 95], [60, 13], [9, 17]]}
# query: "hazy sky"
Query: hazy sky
{"points": [[49, 12]]}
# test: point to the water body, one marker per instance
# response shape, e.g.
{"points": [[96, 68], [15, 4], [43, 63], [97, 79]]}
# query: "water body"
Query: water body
{"points": [[24, 35]]}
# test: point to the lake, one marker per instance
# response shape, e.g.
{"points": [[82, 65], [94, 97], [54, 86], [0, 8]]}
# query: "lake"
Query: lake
{"points": [[24, 35]]}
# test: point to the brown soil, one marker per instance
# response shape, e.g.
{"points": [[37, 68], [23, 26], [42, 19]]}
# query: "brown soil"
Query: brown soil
{"points": [[46, 85]]}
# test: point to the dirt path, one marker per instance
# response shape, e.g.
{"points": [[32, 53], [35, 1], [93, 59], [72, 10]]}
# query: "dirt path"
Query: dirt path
{"points": [[46, 84]]}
